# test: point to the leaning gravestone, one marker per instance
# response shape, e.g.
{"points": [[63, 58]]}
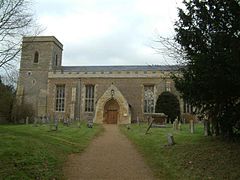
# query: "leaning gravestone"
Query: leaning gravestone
{"points": [[149, 126]]}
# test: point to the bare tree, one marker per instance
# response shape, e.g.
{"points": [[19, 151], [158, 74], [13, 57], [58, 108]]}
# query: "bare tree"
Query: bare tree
{"points": [[168, 46], [10, 77], [16, 21]]}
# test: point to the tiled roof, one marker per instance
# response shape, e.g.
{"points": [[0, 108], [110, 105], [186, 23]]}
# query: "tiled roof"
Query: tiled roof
{"points": [[119, 68]]}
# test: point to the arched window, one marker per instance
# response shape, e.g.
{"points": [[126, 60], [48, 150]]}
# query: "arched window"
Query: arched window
{"points": [[36, 57], [148, 98], [56, 60]]}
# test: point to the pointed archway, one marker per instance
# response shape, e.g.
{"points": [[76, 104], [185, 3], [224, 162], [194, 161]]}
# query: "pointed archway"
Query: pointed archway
{"points": [[113, 105]]}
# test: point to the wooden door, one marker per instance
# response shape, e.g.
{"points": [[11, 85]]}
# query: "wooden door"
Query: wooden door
{"points": [[111, 112], [112, 116]]}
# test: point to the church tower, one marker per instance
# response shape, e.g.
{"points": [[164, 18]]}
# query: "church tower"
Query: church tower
{"points": [[40, 55]]}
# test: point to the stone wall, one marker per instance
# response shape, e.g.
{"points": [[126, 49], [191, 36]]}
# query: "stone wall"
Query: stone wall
{"points": [[131, 88], [37, 83], [33, 77]]}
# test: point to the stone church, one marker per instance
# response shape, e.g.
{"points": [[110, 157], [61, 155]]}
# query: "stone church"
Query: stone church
{"points": [[102, 94]]}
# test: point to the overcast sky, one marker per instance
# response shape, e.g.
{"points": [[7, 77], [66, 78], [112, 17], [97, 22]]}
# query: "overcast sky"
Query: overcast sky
{"points": [[108, 32]]}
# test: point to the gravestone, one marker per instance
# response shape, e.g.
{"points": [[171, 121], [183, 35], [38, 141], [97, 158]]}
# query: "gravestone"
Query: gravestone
{"points": [[206, 126], [90, 124], [35, 121], [138, 121], [47, 120], [27, 118], [43, 119], [78, 122], [165, 120], [149, 126], [148, 119], [175, 124], [170, 139], [56, 124], [176, 121], [66, 122], [192, 126], [179, 126]]}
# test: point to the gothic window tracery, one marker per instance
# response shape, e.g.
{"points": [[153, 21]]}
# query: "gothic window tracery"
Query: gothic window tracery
{"points": [[149, 99]]}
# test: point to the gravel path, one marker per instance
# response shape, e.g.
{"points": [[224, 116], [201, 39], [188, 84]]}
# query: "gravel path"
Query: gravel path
{"points": [[109, 156]]}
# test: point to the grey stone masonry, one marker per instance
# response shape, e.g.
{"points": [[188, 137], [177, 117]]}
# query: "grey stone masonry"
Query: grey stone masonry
{"points": [[33, 75]]}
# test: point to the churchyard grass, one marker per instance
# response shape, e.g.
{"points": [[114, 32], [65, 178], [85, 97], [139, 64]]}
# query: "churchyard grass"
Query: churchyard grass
{"points": [[28, 152], [192, 157]]}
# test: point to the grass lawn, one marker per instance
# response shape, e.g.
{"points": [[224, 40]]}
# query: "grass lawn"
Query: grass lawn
{"points": [[192, 157], [28, 152]]}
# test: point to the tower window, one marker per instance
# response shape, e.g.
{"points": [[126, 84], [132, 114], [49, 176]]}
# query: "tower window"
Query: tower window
{"points": [[56, 60], [36, 57], [29, 73]]}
